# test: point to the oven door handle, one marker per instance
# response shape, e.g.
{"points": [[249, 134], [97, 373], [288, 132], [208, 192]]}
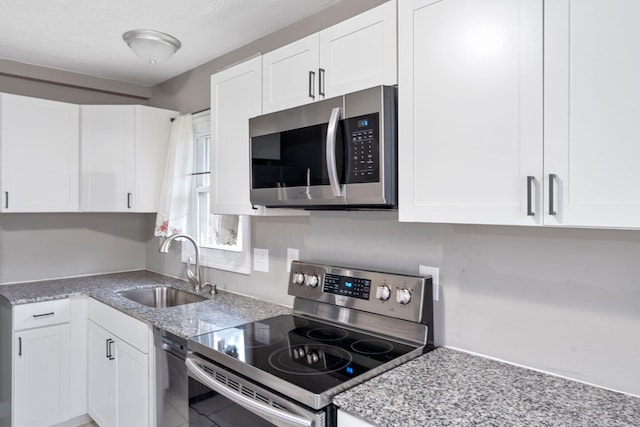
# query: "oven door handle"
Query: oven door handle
{"points": [[244, 401], [332, 167]]}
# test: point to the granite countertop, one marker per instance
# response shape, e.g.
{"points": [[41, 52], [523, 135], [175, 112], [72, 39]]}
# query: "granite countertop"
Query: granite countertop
{"points": [[451, 388], [220, 311]]}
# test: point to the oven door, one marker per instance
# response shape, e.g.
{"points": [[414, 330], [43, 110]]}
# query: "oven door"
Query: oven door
{"points": [[218, 397]]}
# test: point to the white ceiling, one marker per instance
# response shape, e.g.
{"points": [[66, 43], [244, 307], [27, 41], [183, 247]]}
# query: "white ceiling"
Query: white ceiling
{"points": [[85, 36]]}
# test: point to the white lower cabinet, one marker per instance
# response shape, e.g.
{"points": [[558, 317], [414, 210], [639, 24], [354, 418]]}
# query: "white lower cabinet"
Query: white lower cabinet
{"points": [[119, 367], [345, 419], [41, 364]]}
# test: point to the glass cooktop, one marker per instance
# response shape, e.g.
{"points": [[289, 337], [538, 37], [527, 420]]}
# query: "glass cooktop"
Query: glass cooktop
{"points": [[313, 355]]}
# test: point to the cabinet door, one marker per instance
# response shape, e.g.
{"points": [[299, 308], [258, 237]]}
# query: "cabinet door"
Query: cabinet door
{"points": [[592, 99], [102, 376], [152, 141], [470, 125], [235, 97], [359, 53], [39, 152], [290, 75], [107, 163], [345, 419], [132, 389], [41, 382]]}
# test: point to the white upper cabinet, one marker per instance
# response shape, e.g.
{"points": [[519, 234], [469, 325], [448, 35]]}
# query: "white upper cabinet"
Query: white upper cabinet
{"points": [[123, 152], [470, 111], [39, 146], [107, 165], [235, 97], [359, 53], [471, 131], [290, 75], [592, 100], [355, 54]]}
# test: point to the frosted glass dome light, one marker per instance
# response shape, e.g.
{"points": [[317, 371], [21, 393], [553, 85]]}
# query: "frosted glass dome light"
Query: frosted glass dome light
{"points": [[152, 46]]}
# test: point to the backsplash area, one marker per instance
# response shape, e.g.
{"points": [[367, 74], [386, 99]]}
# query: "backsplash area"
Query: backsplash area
{"points": [[560, 300]]}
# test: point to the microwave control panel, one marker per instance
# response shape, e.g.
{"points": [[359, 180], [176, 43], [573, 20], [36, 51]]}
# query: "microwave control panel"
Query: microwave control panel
{"points": [[363, 149]]}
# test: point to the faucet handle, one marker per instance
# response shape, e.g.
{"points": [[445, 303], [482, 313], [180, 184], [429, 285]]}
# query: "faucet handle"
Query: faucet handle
{"points": [[213, 286]]}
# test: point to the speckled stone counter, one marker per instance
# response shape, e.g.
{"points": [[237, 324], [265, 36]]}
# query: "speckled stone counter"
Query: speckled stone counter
{"points": [[451, 388], [220, 311]]}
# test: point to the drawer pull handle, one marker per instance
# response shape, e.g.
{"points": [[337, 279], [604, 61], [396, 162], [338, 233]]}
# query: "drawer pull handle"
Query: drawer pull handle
{"points": [[37, 316]]}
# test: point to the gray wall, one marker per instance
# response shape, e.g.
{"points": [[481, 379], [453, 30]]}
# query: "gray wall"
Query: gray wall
{"points": [[44, 246], [560, 300]]}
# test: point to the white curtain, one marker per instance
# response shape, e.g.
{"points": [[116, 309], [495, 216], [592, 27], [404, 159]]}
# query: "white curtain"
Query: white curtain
{"points": [[173, 205]]}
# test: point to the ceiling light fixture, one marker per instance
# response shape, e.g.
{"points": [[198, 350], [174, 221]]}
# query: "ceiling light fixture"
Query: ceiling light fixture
{"points": [[152, 46]]}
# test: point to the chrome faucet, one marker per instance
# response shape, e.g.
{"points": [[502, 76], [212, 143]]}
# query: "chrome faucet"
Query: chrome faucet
{"points": [[194, 279]]}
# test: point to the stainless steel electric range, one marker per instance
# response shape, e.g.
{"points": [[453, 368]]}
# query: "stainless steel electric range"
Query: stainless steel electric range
{"points": [[347, 326]]}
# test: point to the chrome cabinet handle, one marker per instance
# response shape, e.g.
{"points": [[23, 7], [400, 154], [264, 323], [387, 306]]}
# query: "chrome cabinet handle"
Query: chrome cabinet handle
{"points": [[530, 181], [109, 350], [312, 84], [552, 197], [37, 316], [332, 168], [128, 200], [321, 72]]}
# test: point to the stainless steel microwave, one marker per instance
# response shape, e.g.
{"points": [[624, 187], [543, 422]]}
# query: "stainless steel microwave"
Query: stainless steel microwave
{"points": [[339, 153]]}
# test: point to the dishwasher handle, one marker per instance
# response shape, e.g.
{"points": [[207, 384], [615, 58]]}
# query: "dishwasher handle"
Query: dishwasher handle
{"points": [[244, 401]]}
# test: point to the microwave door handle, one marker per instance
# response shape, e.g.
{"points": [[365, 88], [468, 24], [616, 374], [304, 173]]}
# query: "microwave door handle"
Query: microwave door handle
{"points": [[244, 401], [332, 168]]}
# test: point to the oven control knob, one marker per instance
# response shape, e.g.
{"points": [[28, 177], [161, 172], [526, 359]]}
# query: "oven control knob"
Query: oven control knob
{"points": [[383, 292], [403, 296], [298, 279], [312, 280]]}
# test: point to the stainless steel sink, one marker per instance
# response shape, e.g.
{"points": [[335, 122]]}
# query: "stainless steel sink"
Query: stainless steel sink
{"points": [[161, 296]]}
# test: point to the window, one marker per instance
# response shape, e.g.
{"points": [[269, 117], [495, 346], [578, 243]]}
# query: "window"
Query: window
{"points": [[224, 240]]}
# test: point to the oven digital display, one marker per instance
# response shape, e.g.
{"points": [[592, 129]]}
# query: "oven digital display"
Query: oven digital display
{"points": [[347, 286]]}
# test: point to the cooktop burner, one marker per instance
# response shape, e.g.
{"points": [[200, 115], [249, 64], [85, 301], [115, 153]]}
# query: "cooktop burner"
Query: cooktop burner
{"points": [[348, 326], [295, 349]]}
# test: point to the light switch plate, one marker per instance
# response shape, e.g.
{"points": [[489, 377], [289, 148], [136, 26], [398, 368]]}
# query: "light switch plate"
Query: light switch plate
{"points": [[261, 260], [292, 255], [434, 272]]}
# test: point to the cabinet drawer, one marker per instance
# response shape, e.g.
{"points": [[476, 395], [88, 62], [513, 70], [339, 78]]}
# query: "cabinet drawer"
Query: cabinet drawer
{"points": [[121, 325], [38, 314]]}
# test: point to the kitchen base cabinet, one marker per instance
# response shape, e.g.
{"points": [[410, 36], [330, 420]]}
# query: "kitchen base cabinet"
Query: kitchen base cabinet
{"points": [[119, 368], [41, 363], [41, 369], [345, 419]]}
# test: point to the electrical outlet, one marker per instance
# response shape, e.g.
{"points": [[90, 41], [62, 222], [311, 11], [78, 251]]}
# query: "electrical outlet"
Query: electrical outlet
{"points": [[292, 255], [434, 272], [261, 260]]}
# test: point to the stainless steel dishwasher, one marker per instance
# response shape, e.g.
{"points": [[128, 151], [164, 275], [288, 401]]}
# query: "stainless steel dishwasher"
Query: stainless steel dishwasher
{"points": [[172, 388]]}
